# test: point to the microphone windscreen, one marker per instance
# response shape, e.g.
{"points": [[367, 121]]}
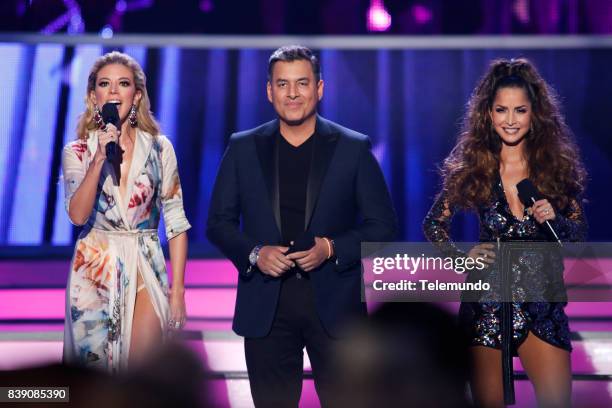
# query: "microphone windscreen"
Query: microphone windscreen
{"points": [[526, 190], [110, 114]]}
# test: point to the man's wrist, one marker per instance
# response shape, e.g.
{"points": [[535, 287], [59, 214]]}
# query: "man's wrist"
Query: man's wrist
{"points": [[254, 255], [334, 255], [328, 244]]}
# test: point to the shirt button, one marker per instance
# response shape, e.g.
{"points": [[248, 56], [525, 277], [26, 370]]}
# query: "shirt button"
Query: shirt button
{"points": [[298, 275]]}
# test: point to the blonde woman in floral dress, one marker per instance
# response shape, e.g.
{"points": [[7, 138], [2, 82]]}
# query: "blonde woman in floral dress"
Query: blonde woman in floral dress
{"points": [[119, 307]]}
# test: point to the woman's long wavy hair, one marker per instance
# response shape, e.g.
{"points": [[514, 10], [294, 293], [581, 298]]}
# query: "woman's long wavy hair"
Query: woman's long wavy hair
{"points": [[144, 116], [552, 156]]}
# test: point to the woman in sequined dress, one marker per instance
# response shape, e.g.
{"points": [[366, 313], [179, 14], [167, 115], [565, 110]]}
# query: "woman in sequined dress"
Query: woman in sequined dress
{"points": [[513, 130]]}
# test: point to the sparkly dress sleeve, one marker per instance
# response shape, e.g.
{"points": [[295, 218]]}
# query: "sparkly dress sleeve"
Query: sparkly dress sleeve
{"points": [[571, 224], [437, 224]]}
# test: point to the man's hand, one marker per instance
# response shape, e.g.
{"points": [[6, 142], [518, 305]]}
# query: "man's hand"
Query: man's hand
{"points": [[272, 260], [315, 256]]}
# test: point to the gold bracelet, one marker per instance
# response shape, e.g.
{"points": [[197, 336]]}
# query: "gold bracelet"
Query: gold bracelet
{"points": [[329, 254]]}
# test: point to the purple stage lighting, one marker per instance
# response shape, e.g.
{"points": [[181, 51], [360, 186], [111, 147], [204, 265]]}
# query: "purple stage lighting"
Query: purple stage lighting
{"points": [[206, 6], [379, 18], [422, 14], [71, 18]]}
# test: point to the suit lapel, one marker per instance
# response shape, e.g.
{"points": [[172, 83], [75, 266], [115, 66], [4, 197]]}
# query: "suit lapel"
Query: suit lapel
{"points": [[324, 146], [266, 142]]}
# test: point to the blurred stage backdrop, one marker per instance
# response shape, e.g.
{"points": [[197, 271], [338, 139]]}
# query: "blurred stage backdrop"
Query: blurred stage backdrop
{"points": [[401, 71], [407, 94]]}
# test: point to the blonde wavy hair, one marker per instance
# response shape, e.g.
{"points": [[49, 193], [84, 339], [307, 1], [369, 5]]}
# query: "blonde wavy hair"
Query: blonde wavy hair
{"points": [[144, 116]]}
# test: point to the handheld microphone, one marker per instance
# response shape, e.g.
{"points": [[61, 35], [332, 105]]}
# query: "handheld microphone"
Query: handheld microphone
{"points": [[529, 194], [110, 114]]}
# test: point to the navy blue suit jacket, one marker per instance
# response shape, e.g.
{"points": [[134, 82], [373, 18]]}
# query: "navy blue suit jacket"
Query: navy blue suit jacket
{"points": [[347, 200]]}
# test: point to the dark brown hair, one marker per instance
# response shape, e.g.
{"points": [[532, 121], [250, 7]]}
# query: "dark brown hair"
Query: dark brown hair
{"points": [[290, 53], [553, 158]]}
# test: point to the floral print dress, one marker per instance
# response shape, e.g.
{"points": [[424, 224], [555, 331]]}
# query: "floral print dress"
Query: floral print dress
{"points": [[118, 241]]}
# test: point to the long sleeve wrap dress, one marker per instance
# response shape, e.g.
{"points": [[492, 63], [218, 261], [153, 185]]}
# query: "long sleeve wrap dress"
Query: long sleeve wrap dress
{"points": [[118, 242]]}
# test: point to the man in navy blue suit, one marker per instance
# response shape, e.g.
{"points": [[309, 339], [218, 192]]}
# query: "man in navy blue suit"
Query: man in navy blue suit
{"points": [[292, 202]]}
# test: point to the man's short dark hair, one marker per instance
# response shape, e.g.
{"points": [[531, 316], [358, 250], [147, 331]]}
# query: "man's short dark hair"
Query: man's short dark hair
{"points": [[290, 53]]}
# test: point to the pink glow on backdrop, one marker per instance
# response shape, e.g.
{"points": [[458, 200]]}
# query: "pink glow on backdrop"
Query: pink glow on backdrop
{"points": [[206, 6], [50, 303], [19, 354], [379, 18], [32, 303], [213, 302], [421, 14]]}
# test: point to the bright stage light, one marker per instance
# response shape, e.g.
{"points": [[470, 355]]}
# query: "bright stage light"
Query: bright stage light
{"points": [[379, 18]]}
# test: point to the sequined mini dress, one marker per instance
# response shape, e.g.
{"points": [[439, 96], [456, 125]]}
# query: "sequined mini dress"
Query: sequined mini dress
{"points": [[482, 320]]}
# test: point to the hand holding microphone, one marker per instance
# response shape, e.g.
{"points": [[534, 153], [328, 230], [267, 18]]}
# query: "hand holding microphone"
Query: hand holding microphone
{"points": [[543, 212], [108, 135]]}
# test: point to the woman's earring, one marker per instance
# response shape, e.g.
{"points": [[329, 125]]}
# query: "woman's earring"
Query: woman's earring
{"points": [[97, 117], [132, 117]]}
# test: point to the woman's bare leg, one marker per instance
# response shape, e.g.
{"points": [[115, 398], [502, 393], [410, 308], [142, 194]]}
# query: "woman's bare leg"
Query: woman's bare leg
{"points": [[486, 378], [549, 369], [146, 329]]}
